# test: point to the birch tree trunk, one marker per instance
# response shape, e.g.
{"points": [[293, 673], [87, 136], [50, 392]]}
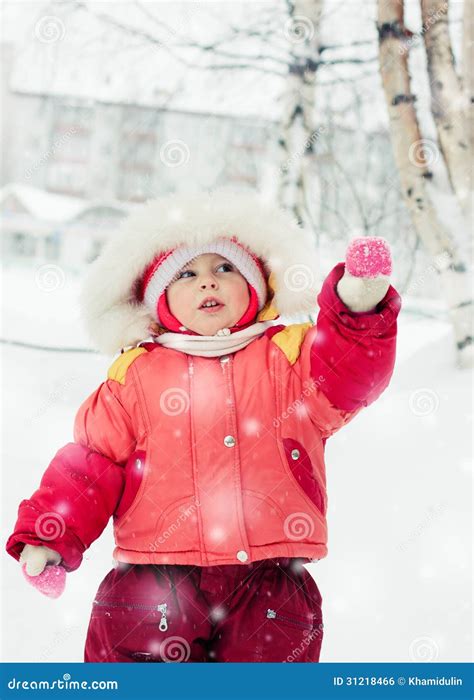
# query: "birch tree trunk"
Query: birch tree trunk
{"points": [[297, 133], [410, 157], [468, 73], [447, 100]]}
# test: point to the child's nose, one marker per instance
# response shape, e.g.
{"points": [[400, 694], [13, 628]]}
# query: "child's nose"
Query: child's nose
{"points": [[208, 281]]}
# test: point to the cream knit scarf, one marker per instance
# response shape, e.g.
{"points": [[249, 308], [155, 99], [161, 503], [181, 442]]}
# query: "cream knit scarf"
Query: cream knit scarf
{"points": [[222, 343]]}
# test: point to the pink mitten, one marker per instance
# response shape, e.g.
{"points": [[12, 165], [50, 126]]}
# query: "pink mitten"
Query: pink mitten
{"points": [[369, 256], [366, 277], [51, 581]]}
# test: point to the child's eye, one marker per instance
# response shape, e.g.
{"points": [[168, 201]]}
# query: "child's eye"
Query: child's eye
{"points": [[227, 265]]}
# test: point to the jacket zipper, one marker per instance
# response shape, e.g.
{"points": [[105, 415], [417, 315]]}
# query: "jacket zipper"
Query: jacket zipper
{"points": [[273, 615], [162, 608]]}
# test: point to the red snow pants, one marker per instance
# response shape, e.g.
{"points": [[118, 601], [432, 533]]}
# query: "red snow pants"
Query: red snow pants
{"points": [[268, 610]]}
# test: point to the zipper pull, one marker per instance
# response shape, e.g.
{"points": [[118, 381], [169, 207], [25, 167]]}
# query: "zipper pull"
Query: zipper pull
{"points": [[271, 613], [163, 622]]}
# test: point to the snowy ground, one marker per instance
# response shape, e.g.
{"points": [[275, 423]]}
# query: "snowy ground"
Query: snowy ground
{"points": [[396, 585]]}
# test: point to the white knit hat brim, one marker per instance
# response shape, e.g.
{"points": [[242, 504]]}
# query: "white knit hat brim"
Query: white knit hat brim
{"points": [[175, 261]]}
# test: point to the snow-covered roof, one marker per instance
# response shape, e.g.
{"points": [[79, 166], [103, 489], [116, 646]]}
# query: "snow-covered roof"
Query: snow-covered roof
{"points": [[52, 207]]}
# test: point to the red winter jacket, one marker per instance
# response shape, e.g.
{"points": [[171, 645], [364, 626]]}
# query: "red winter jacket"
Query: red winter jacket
{"points": [[211, 461]]}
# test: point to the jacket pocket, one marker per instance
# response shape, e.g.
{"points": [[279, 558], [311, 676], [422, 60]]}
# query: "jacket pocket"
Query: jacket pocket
{"points": [[134, 476], [177, 527], [302, 469]]}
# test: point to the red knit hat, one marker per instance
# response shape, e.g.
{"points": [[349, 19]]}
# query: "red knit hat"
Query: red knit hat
{"points": [[165, 267]]}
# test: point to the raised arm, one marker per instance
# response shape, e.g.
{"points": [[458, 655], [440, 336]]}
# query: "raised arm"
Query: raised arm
{"points": [[348, 357]]}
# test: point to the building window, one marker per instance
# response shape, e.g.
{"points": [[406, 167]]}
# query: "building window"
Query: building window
{"points": [[68, 154], [52, 246], [245, 147], [138, 143], [24, 245]]}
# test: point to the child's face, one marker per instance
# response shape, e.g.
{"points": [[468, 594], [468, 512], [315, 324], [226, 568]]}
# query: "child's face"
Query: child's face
{"points": [[208, 275]]}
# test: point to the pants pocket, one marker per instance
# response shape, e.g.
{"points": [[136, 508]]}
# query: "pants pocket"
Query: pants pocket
{"points": [[118, 631], [306, 644], [275, 616], [147, 615], [291, 636]]}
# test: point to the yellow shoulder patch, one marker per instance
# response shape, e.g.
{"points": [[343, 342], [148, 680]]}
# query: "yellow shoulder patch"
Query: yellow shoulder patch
{"points": [[118, 369], [290, 339], [269, 311]]}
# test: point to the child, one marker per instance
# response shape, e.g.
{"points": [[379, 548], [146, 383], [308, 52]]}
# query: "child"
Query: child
{"points": [[206, 441]]}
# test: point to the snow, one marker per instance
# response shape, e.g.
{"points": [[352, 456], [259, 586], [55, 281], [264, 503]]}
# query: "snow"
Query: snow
{"points": [[396, 583], [42, 205], [51, 207]]}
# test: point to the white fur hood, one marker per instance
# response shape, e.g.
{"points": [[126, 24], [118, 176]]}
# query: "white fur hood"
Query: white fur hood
{"points": [[114, 319]]}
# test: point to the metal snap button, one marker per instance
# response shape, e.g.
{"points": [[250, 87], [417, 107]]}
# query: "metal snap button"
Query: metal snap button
{"points": [[242, 555], [295, 454], [224, 358], [229, 441]]}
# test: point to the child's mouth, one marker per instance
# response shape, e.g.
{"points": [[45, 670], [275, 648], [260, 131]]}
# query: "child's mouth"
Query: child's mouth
{"points": [[212, 309]]}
